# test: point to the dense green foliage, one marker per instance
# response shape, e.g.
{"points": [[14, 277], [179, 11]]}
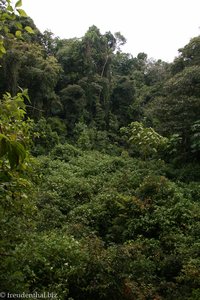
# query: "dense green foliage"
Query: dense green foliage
{"points": [[99, 166]]}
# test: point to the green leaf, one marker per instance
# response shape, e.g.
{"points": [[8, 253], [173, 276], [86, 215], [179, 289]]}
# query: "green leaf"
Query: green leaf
{"points": [[18, 34], [8, 16], [2, 49], [9, 8], [6, 29], [18, 3], [29, 29], [10, 35], [25, 94], [16, 154], [21, 12], [19, 25], [20, 150]]}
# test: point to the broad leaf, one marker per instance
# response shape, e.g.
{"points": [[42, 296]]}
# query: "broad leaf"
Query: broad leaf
{"points": [[19, 25], [21, 12], [18, 34], [18, 3], [9, 8], [29, 29]]}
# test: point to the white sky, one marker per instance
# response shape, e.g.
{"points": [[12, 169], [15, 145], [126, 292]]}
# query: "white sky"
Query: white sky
{"points": [[156, 27]]}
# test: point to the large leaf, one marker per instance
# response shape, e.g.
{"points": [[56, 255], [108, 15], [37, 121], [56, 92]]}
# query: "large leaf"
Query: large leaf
{"points": [[18, 34], [16, 154], [19, 25], [9, 8], [18, 3], [2, 49], [21, 12], [29, 29]]}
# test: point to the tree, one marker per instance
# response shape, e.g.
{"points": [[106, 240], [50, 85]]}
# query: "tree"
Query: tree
{"points": [[156, 72], [49, 42], [122, 97], [8, 15], [15, 181], [73, 100], [189, 56], [13, 131], [70, 55], [177, 108], [123, 64], [17, 204], [98, 49], [145, 140], [26, 65]]}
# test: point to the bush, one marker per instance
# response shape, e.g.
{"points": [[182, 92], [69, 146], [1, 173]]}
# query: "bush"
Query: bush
{"points": [[44, 137], [64, 152]]}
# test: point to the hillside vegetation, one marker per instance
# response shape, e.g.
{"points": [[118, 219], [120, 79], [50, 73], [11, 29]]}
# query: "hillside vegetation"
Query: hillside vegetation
{"points": [[99, 167]]}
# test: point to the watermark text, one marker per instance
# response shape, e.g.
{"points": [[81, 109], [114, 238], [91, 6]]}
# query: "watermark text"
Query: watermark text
{"points": [[35, 295]]}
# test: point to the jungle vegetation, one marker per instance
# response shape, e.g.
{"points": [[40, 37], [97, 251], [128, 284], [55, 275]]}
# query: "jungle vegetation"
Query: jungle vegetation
{"points": [[99, 166]]}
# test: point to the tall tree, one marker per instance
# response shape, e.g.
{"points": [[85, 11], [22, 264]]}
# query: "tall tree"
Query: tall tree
{"points": [[26, 65], [178, 108], [73, 100]]}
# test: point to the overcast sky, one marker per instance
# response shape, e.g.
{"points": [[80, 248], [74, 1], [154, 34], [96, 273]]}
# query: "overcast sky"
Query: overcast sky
{"points": [[156, 27]]}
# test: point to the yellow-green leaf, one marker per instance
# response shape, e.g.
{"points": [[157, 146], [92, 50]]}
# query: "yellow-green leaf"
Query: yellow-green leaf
{"points": [[18, 3], [9, 8], [2, 49], [19, 25], [6, 29], [10, 35], [21, 12], [18, 33], [29, 29]]}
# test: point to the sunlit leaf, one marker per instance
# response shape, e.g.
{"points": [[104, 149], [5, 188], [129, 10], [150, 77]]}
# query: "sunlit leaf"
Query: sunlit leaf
{"points": [[2, 49], [18, 34], [29, 29], [21, 12], [18, 3], [9, 8]]}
